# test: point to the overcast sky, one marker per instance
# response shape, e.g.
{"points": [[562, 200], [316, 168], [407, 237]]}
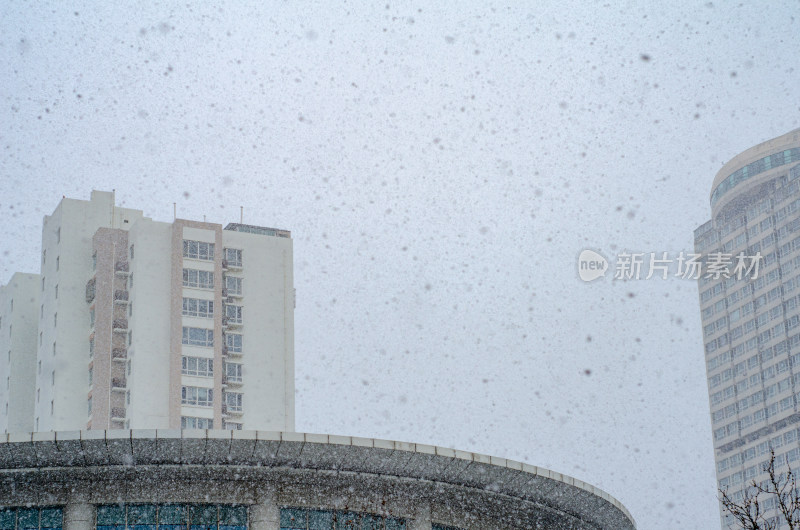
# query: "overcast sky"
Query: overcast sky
{"points": [[440, 170]]}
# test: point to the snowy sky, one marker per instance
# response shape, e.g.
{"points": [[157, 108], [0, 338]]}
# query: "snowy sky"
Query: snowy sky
{"points": [[440, 168]]}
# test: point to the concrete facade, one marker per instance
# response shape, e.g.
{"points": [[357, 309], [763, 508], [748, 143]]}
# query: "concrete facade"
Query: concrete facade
{"points": [[417, 486], [146, 324], [751, 327], [19, 307]]}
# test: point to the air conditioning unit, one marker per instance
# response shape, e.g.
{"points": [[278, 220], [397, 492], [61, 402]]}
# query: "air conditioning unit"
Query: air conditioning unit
{"points": [[224, 292]]}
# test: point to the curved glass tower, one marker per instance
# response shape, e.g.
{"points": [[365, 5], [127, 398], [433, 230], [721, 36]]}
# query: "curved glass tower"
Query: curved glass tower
{"points": [[751, 324]]}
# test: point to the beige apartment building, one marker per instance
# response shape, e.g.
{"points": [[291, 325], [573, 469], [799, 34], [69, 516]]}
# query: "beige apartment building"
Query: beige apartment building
{"points": [[136, 323], [751, 325]]}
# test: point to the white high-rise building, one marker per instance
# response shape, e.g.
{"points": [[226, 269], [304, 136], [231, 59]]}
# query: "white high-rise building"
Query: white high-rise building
{"points": [[751, 326], [144, 324], [19, 313]]}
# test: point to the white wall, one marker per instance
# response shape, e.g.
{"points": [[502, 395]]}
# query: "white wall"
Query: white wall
{"points": [[150, 296], [78, 221], [268, 330], [18, 351]]}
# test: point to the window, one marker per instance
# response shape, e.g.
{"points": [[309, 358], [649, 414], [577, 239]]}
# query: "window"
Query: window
{"points": [[233, 400], [172, 516], [301, 518], [231, 426], [91, 374], [233, 371], [58, 262], [198, 250], [56, 289], [198, 279], [90, 406], [233, 313], [91, 347], [55, 319], [234, 342], [233, 285], [91, 318], [197, 396], [43, 278], [199, 366], [130, 281], [131, 252], [31, 518], [44, 257], [94, 261], [189, 422], [194, 307], [234, 257], [198, 337], [39, 369]]}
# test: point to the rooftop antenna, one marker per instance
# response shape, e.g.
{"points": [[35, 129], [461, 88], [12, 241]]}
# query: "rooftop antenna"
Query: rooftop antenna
{"points": [[241, 215], [174, 211]]}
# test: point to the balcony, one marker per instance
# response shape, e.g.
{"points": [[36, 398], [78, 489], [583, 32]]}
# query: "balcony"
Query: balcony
{"points": [[120, 324], [119, 383], [231, 322], [121, 296], [229, 264], [118, 413], [229, 380], [90, 290], [122, 268], [231, 411], [119, 354], [228, 352]]}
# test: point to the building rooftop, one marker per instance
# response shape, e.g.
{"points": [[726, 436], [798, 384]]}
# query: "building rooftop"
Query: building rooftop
{"points": [[262, 230], [260, 452], [754, 161]]}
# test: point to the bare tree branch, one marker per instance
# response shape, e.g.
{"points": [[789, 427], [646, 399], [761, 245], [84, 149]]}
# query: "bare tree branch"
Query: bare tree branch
{"points": [[779, 489]]}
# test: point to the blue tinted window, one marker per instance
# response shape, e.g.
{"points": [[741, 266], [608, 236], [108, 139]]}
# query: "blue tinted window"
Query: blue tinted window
{"points": [[30, 518], [300, 518], [171, 517]]}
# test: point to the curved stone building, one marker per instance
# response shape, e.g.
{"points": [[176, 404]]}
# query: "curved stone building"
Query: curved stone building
{"points": [[751, 324], [235, 480]]}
